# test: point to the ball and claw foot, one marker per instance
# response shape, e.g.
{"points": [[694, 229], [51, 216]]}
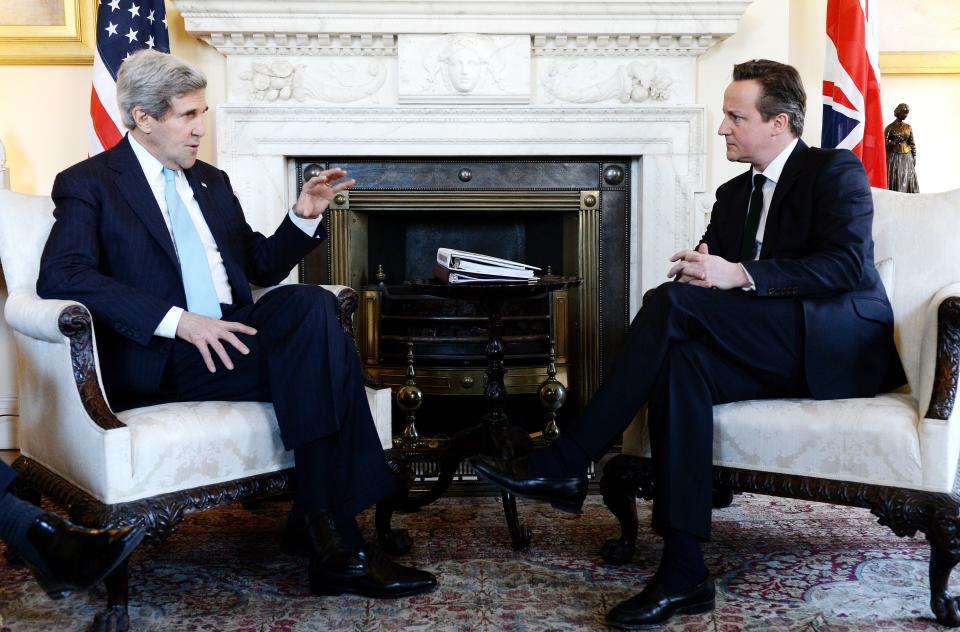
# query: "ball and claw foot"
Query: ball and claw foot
{"points": [[113, 619], [520, 541], [616, 552], [722, 497], [946, 609]]}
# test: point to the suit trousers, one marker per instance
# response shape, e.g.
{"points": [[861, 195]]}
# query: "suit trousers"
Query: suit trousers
{"points": [[301, 361], [688, 349], [7, 475]]}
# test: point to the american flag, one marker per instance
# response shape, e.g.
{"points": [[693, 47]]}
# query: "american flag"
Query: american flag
{"points": [[851, 85], [122, 28]]}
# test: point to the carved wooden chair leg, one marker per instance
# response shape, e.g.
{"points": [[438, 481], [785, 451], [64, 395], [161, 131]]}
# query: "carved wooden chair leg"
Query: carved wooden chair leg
{"points": [[115, 618], [944, 537], [619, 489], [722, 497], [520, 535]]}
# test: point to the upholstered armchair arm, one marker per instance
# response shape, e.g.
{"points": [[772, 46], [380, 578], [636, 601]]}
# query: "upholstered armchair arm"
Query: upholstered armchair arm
{"points": [[36, 317], [939, 428], [347, 303], [65, 322], [940, 355]]}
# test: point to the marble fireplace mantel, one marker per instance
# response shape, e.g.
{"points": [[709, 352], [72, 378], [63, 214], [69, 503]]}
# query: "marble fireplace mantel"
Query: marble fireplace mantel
{"points": [[470, 78], [687, 19]]}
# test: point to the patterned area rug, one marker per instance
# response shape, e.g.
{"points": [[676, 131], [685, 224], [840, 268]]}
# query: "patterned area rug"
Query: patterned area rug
{"points": [[781, 564]]}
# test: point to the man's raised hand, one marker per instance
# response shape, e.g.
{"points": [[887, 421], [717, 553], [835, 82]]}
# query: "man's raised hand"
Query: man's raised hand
{"points": [[319, 191]]}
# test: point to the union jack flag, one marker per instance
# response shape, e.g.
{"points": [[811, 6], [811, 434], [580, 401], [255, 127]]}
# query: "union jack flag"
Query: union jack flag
{"points": [[851, 85], [122, 29]]}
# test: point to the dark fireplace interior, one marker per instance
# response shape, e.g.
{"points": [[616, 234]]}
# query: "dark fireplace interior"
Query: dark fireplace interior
{"points": [[405, 245]]}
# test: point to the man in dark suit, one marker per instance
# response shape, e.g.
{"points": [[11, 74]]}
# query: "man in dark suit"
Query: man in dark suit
{"points": [[780, 299], [155, 244], [62, 556]]}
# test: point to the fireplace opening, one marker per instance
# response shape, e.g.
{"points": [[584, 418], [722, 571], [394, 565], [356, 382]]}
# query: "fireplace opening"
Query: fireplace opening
{"points": [[566, 216]]}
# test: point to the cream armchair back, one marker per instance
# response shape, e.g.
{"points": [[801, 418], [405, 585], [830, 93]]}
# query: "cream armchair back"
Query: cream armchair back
{"points": [[151, 465], [896, 454]]}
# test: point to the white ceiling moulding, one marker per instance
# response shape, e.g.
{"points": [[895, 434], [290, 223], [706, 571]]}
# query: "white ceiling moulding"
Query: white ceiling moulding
{"points": [[686, 21]]}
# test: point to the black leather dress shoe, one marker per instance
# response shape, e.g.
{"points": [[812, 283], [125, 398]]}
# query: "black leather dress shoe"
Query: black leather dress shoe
{"points": [[369, 573], [565, 494], [336, 569], [652, 607], [73, 558]]}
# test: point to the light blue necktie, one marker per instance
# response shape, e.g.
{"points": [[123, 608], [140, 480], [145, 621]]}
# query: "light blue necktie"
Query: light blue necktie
{"points": [[197, 281]]}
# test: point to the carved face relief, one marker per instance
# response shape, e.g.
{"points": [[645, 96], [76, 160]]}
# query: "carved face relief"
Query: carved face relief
{"points": [[463, 62], [463, 69]]}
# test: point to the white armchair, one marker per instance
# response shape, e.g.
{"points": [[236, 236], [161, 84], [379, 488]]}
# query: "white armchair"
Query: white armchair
{"points": [[896, 454], [151, 465]]}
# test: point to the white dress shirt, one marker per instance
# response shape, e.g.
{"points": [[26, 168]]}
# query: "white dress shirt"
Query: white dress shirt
{"points": [[153, 170], [772, 175]]}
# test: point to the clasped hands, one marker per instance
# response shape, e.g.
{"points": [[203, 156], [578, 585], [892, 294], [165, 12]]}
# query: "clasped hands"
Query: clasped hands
{"points": [[699, 267]]}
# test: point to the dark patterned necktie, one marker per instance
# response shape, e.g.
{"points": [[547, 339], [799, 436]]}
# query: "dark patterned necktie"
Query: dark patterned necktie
{"points": [[749, 243]]}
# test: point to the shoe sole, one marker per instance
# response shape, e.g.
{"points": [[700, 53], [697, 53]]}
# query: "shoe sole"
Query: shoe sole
{"points": [[694, 608]]}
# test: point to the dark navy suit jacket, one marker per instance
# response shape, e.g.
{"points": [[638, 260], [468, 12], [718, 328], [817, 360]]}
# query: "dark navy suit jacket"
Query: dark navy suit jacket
{"points": [[818, 246], [111, 250]]}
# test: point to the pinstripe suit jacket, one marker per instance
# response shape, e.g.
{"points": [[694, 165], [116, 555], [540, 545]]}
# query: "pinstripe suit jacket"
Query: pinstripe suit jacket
{"points": [[111, 250]]}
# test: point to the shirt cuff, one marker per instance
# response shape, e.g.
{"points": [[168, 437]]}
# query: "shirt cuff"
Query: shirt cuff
{"points": [[753, 286], [168, 326], [309, 226]]}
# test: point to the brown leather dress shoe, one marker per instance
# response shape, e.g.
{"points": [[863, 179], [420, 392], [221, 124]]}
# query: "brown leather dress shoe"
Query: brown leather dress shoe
{"points": [[73, 558], [336, 569], [652, 608]]}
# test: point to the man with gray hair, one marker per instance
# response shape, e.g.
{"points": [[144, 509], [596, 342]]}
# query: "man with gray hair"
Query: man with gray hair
{"points": [[155, 244]]}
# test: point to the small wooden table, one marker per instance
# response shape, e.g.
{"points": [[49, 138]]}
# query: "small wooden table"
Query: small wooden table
{"points": [[494, 435]]}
